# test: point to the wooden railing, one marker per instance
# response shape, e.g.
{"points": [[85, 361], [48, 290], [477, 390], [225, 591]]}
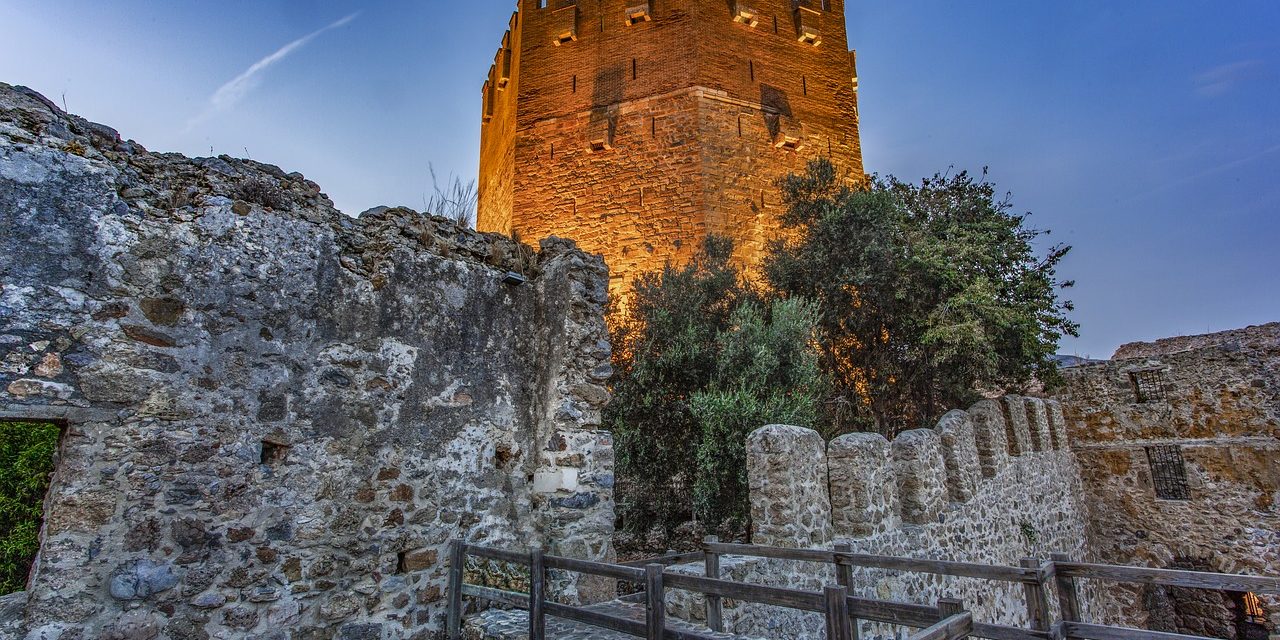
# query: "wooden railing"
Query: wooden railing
{"points": [[946, 621]]}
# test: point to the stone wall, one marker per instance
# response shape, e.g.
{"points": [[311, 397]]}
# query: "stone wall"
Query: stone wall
{"points": [[1216, 400], [959, 491], [638, 136], [276, 417]]}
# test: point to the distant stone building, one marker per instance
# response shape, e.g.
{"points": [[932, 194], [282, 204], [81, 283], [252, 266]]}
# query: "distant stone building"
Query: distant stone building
{"points": [[1179, 445], [636, 127]]}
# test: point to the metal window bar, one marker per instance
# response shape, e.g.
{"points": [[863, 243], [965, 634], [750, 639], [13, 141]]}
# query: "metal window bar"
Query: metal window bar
{"points": [[1168, 472], [1148, 386]]}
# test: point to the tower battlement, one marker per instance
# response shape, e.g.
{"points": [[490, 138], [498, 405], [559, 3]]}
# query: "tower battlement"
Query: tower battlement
{"points": [[637, 127]]}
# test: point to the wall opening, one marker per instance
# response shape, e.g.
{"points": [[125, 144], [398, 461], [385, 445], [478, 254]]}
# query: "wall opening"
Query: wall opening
{"points": [[1204, 612], [1148, 386], [28, 451], [1168, 472]]}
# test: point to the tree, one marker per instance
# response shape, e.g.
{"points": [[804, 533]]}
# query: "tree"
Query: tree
{"points": [[26, 460], [700, 360], [926, 293]]}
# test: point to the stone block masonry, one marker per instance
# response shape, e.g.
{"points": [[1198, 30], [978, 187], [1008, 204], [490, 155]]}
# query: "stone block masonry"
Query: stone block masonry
{"points": [[1179, 441], [276, 416], [638, 136], [958, 491]]}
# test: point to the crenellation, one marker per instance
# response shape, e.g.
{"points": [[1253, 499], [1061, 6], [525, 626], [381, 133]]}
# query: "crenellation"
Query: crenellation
{"points": [[990, 436], [960, 455], [921, 475], [863, 489], [1038, 423], [1017, 427], [787, 474]]}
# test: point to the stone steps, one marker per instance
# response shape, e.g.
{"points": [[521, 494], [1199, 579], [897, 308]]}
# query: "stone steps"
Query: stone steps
{"points": [[513, 624]]}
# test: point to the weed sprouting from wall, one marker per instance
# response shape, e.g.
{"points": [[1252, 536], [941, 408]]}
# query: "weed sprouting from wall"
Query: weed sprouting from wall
{"points": [[456, 200]]}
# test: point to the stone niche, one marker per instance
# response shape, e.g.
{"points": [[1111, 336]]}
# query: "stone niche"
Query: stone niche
{"points": [[278, 416]]}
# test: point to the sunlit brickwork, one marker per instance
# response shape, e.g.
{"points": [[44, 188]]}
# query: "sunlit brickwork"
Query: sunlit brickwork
{"points": [[635, 128]]}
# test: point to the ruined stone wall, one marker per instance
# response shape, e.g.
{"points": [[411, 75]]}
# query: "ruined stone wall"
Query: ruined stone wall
{"points": [[276, 417], [638, 136], [959, 491], [1216, 400]]}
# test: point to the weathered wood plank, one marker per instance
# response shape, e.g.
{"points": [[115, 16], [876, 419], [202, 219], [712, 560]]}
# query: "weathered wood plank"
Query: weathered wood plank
{"points": [[1068, 595], [952, 628], [1037, 600], [668, 559], [761, 594], [1086, 631], [510, 598], [494, 553], [1170, 577], [836, 612], [655, 606], [899, 613], [940, 567], [596, 619], [595, 568], [715, 604], [457, 563], [1005, 632], [537, 595]]}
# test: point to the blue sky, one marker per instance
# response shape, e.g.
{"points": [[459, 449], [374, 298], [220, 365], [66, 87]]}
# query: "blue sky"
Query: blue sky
{"points": [[1145, 133]]}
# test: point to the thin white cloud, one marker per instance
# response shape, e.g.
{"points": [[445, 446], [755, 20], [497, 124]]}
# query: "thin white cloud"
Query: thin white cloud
{"points": [[1223, 78], [1207, 173], [232, 92]]}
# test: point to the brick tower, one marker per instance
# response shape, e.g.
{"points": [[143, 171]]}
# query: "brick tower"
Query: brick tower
{"points": [[635, 128]]}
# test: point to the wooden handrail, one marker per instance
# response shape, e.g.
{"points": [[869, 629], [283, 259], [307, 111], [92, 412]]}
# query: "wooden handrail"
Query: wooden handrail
{"points": [[1169, 577], [945, 622]]}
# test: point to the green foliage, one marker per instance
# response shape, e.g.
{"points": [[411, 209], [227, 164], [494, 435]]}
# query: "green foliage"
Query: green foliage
{"points": [[767, 373], [26, 461], [927, 293], [700, 361]]}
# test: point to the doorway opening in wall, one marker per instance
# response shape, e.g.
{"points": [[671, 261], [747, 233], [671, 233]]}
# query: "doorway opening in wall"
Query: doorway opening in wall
{"points": [[1203, 612], [27, 450]]}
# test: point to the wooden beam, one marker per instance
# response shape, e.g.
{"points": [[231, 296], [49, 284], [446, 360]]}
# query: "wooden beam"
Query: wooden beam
{"points": [[837, 613], [1037, 601], [1086, 631], [1170, 577], [655, 603], [457, 564], [537, 595], [715, 604]]}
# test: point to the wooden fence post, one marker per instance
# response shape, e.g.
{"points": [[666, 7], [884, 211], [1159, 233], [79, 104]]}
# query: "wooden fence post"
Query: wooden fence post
{"points": [[844, 578], [457, 567], [837, 611], [948, 607], [655, 602], [715, 604], [1068, 595], [537, 591], [1037, 601]]}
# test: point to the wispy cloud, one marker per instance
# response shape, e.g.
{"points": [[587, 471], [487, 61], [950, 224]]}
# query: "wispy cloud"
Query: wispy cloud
{"points": [[1223, 78], [1207, 173], [232, 92]]}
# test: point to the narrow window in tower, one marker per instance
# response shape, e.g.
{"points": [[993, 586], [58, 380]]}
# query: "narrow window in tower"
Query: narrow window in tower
{"points": [[739, 126], [633, 68], [575, 84], [601, 24], [751, 68], [804, 85], [542, 4], [775, 24], [642, 196], [553, 151], [653, 126], [826, 5]]}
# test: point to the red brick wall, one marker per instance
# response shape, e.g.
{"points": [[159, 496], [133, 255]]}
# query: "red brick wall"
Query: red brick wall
{"points": [[693, 100]]}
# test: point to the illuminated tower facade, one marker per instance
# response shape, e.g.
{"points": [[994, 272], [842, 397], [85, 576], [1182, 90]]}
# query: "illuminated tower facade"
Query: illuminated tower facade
{"points": [[636, 128]]}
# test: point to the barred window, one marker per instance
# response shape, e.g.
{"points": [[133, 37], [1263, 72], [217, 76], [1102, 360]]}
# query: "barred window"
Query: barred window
{"points": [[1168, 472], [1148, 386]]}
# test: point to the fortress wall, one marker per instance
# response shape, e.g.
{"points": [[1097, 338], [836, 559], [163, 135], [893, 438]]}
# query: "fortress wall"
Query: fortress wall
{"points": [[1215, 401], [925, 495], [275, 416]]}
